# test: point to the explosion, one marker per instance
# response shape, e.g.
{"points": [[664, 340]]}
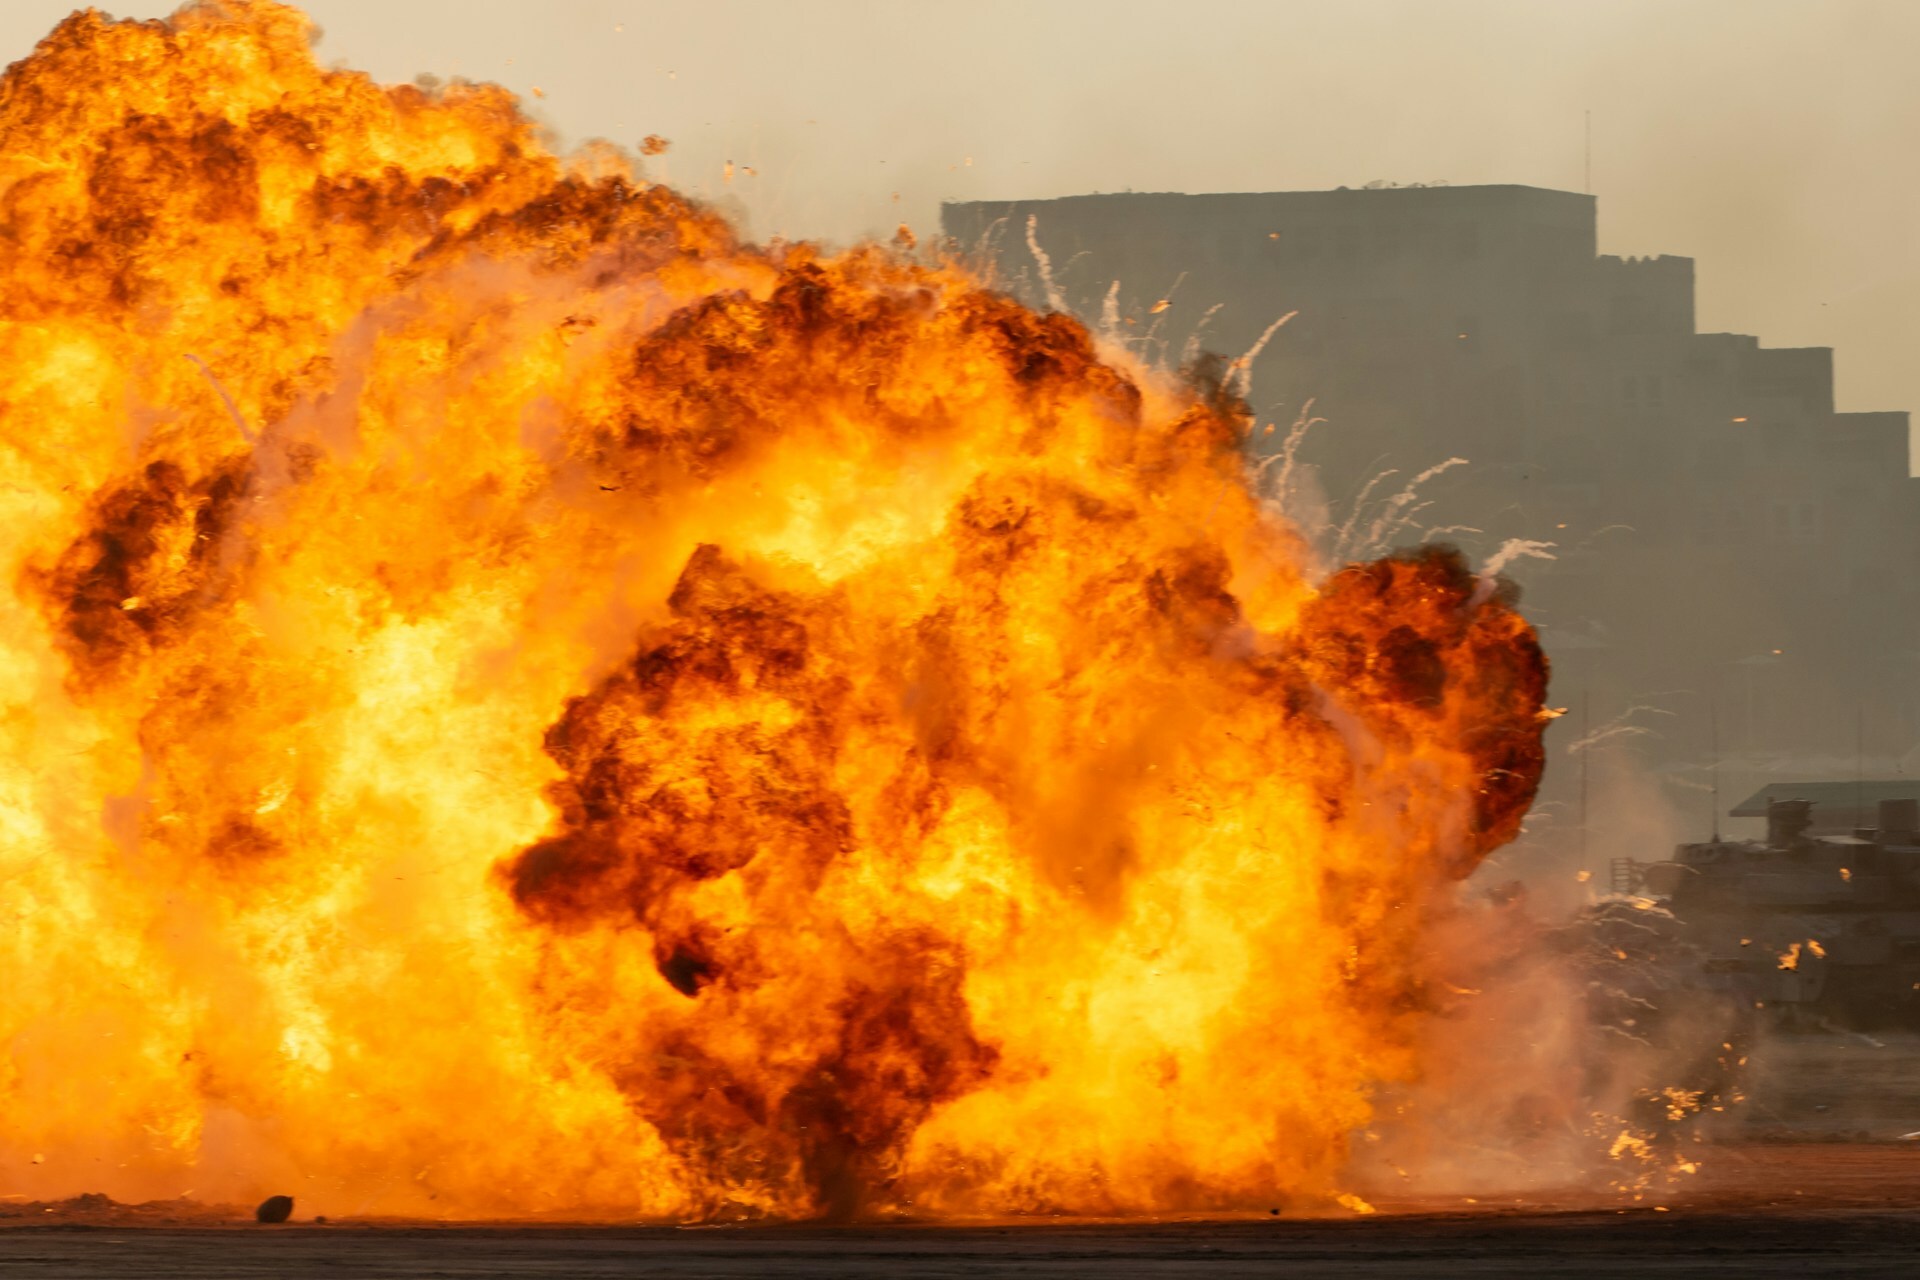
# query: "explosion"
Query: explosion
{"points": [[516, 701]]}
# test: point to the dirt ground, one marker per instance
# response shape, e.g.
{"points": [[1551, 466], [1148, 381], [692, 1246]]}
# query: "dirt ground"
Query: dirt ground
{"points": [[1848, 1085], [1760, 1209], [1573, 1247], [1813, 1179]]}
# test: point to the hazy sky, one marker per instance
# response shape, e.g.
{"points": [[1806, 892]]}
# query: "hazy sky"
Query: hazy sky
{"points": [[1776, 141]]}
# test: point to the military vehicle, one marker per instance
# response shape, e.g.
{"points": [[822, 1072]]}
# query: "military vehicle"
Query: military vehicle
{"points": [[1817, 929]]}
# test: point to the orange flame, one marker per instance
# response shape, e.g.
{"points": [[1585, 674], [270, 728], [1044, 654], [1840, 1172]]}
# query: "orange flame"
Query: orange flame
{"points": [[552, 709]]}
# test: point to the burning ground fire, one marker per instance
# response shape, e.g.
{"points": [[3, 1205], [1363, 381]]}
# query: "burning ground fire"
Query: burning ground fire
{"points": [[516, 701]]}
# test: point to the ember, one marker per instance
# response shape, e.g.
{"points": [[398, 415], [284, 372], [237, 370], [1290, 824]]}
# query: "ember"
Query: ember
{"points": [[554, 709]]}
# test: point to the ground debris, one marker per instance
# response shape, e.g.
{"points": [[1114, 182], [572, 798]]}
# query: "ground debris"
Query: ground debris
{"points": [[93, 1208]]}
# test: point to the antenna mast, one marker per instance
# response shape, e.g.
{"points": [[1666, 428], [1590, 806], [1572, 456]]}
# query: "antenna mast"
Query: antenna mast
{"points": [[1713, 774], [1859, 765], [1586, 726]]}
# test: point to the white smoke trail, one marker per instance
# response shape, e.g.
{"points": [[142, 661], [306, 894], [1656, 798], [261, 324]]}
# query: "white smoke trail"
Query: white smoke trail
{"points": [[1191, 352], [1054, 298], [1395, 514], [1344, 537], [985, 255], [1110, 312], [1510, 550], [1287, 456], [1241, 370]]}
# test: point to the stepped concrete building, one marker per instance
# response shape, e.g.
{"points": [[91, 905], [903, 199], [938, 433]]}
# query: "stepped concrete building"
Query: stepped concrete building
{"points": [[1729, 549]]}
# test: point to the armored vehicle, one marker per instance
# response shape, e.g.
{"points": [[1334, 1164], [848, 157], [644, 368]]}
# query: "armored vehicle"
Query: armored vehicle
{"points": [[1817, 928]]}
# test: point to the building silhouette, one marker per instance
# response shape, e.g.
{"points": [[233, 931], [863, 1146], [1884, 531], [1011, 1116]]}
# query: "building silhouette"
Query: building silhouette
{"points": [[1729, 551]]}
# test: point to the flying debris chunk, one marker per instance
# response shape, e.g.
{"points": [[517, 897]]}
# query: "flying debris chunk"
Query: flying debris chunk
{"points": [[274, 1209]]}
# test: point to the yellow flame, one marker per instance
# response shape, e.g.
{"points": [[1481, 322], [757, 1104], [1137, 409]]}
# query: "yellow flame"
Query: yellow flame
{"points": [[558, 710]]}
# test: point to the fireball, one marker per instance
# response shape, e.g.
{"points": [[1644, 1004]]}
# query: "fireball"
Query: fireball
{"points": [[514, 700]]}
